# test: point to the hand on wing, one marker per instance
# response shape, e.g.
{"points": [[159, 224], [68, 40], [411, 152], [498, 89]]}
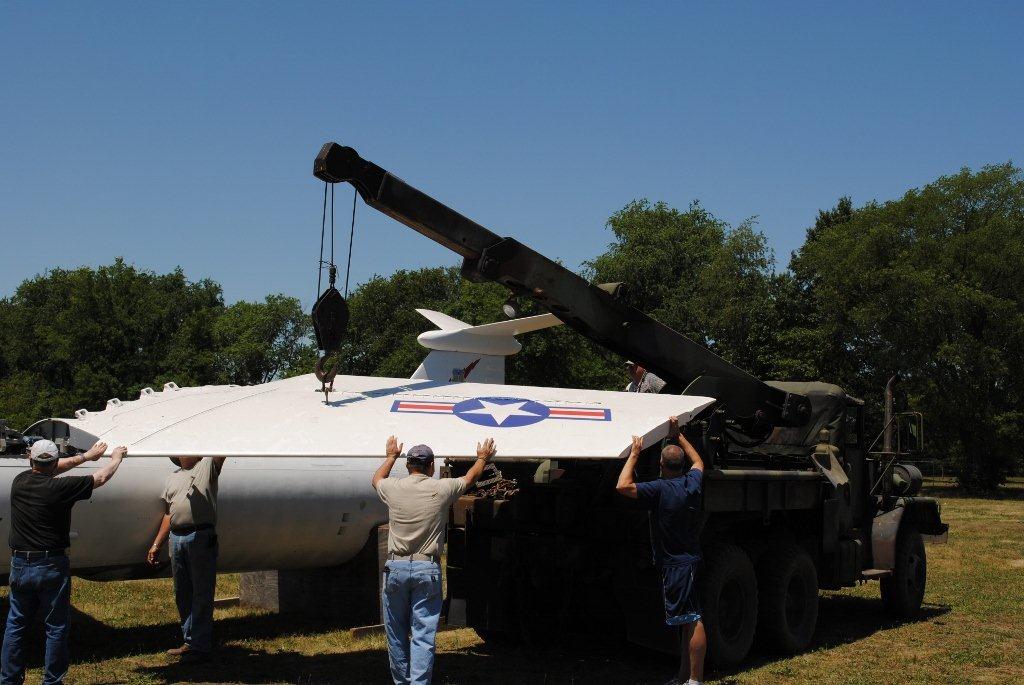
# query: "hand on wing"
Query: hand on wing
{"points": [[486, 449], [673, 426], [96, 451]]}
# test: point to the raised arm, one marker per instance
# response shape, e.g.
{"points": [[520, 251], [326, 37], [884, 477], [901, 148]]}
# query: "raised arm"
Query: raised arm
{"points": [[691, 453], [689, 450], [392, 450], [92, 454], [484, 452], [626, 485], [107, 471]]}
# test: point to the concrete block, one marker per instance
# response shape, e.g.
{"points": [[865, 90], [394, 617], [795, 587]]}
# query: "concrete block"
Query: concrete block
{"points": [[348, 594]]}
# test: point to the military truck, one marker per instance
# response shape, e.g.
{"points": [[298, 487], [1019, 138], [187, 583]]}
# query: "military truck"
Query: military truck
{"points": [[796, 499]]}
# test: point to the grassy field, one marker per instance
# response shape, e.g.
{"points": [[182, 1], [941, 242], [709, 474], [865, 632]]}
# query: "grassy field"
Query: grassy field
{"points": [[971, 630]]}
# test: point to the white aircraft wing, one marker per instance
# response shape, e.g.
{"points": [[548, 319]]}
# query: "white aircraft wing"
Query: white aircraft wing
{"points": [[288, 418]]}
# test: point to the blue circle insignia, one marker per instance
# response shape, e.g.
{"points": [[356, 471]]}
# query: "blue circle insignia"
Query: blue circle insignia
{"points": [[501, 412]]}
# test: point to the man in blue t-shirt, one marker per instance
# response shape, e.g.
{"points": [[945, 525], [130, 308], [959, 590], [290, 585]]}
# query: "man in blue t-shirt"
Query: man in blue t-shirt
{"points": [[674, 501]]}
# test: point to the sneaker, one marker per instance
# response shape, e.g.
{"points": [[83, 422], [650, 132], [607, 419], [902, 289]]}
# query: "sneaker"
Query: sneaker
{"points": [[179, 651]]}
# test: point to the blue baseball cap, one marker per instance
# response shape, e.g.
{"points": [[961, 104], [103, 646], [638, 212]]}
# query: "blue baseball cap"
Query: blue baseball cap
{"points": [[420, 455]]}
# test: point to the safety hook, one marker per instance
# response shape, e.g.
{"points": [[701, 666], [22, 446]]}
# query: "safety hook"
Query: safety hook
{"points": [[326, 370]]}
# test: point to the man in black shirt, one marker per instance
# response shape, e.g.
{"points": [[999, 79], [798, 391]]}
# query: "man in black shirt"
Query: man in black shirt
{"points": [[40, 535]]}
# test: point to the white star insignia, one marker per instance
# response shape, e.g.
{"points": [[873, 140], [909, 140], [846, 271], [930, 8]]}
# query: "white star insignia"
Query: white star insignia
{"points": [[501, 412]]}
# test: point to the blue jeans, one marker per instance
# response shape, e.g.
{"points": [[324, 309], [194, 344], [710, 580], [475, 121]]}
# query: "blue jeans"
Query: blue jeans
{"points": [[412, 608], [194, 567], [38, 583]]}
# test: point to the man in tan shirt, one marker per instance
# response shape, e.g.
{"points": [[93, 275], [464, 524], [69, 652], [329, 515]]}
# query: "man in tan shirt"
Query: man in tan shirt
{"points": [[190, 519], [417, 517]]}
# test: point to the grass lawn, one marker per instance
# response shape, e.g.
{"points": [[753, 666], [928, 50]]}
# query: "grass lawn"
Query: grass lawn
{"points": [[971, 630]]}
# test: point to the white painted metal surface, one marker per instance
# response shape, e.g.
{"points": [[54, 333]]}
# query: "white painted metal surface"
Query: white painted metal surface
{"points": [[288, 418]]}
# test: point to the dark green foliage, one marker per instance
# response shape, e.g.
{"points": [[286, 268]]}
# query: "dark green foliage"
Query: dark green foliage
{"points": [[929, 286], [73, 339], [383, 323], [256, 342], [694, 273]]}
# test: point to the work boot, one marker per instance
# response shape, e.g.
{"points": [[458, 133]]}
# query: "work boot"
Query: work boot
{"points": [[179, 651]]}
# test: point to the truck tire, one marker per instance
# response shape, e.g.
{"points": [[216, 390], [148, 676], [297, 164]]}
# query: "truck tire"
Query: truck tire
{"points": [[728, 602], [787, 584], [903, 591]]}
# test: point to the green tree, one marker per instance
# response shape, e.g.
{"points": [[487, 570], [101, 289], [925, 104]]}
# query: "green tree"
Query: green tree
{"points": [[257, 342], [78, 337], [695, 273], [72, 339], [929, 286], [383, 323]]}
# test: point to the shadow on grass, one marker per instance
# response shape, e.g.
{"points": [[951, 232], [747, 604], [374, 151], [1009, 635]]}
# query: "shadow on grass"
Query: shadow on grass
{"points": [[488, 663], [93, 641], [843, 619]]}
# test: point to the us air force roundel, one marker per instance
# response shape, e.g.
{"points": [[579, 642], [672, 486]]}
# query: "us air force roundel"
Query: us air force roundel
{"points": [[501, 412]]}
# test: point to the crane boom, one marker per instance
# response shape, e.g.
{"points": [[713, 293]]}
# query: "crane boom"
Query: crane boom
{"points": [[594, 311]]}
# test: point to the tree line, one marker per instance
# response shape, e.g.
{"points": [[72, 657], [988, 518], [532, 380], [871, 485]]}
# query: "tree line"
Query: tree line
{"points": [[928, 285]]}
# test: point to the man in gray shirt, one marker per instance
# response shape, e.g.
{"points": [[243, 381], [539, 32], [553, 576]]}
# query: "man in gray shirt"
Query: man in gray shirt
{"points": [[417, 517], [642, 380], [190, 519]]}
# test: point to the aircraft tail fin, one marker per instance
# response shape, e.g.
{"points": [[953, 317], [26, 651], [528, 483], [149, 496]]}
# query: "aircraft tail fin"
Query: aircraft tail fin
{"points": [[443, 321], [461, 352]]}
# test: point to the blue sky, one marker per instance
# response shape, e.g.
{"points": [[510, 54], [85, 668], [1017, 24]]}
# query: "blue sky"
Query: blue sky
{"points": [[184, 134]]}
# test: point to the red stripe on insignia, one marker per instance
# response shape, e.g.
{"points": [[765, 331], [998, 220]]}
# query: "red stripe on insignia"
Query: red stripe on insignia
{"points": [[413, 405], [578, 412]]}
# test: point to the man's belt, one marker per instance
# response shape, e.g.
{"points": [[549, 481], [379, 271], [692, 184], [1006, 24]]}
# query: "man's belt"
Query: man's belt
{"points": [[188, 530], [414, 557], [43, 554]]}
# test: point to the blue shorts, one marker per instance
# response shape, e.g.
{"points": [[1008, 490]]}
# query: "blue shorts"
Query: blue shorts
{"points": [[679, 588]]}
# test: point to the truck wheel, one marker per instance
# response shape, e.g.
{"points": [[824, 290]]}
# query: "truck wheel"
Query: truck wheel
{"points": [[787, 584], [728, 602], [903, 591]]}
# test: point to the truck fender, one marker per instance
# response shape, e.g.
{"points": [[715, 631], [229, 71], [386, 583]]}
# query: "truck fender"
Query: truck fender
{"points": [[921, 512], [884, 530]]}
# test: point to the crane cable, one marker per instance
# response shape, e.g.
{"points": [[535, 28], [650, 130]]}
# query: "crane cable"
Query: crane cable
{"points": [[325, 370], [331, 266], [351, 237], [320, 262]]}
